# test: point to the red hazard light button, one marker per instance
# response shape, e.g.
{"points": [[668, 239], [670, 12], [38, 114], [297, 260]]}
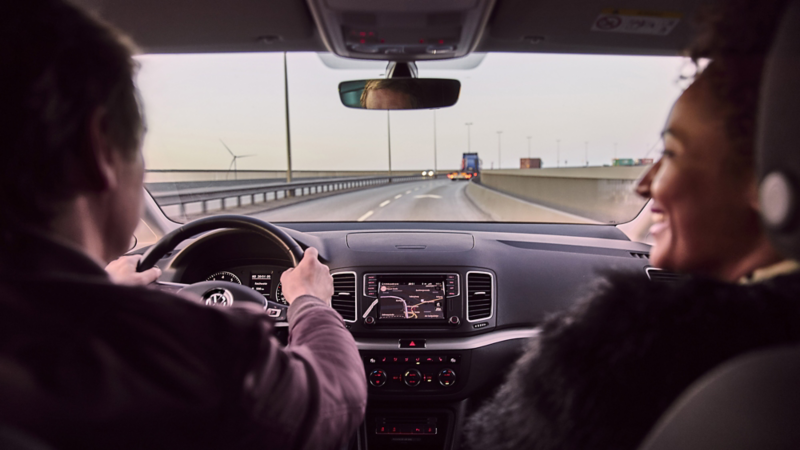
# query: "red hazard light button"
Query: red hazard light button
{"points": [[412, 343]]}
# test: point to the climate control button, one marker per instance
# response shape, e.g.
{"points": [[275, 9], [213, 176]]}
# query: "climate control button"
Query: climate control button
{"points": [[412, 377], [377, 377], [447, 377]]}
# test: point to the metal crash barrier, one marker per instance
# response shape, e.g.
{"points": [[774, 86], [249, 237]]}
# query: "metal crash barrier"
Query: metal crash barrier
{"points": [[271, 191]]}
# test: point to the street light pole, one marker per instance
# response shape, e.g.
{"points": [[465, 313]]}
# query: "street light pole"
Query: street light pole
{"points": [[529, 147], [434, 142], [558, 152], [389, 140], [468, 124], [288, 132], [499, 152]]}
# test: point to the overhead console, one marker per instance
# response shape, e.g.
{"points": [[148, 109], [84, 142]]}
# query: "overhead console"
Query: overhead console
{"points": [[401, 31]]}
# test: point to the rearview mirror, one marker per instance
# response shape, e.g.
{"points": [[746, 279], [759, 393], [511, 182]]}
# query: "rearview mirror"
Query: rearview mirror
{"points": [[399, 93]]}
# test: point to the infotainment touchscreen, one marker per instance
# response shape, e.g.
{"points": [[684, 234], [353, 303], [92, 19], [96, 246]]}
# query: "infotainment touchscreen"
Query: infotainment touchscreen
{"points": [[411, 300]]}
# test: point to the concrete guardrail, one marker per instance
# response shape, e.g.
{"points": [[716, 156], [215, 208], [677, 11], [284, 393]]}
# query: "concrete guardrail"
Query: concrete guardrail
{"points": [[602, 194]]}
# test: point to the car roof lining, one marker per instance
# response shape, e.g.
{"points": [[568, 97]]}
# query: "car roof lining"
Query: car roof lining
{"points": [[210, 26]]}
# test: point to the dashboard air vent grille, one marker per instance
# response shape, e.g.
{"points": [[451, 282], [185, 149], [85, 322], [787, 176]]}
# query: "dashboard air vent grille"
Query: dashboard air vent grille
{"points": [[344, 295], [479, 296], [662, 276], [640, 255]]}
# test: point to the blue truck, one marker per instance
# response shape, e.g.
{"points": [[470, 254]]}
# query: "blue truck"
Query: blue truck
{"points": [[470, 167]]}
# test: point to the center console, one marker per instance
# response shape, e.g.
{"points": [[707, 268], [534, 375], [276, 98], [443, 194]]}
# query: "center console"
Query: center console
{"points": [[421, 372], [410, 429], [413, 325], [417, 334]]}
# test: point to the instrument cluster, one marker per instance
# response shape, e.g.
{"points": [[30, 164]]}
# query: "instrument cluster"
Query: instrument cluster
{"points": [[263, 279]]}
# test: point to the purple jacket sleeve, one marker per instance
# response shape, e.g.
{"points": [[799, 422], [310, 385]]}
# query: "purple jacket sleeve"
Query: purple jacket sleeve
{"points": [[308, 395]]}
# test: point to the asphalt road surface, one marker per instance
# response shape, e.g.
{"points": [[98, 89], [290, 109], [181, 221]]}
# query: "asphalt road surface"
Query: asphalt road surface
{"points": [[430, 200]]}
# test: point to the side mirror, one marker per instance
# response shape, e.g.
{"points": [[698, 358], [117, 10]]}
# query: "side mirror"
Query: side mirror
{"points": [[399, 93]]}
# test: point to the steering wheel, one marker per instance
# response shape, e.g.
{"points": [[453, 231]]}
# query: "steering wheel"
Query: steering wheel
{"points": [[222, 292]]}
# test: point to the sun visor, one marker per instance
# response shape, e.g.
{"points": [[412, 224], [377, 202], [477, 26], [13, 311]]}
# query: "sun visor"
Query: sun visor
{"points": [[211, 26]]}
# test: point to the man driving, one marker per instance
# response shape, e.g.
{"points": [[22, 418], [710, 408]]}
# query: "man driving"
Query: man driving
{"points": [[85, 363]]}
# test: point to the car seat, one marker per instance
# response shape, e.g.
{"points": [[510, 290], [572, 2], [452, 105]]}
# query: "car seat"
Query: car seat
{"points": [[13, 439]]}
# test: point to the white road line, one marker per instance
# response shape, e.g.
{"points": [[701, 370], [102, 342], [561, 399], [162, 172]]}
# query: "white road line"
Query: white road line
{"points": [[398, 196], [385, 203], [408, 191], [427, 196], [365, 216]]}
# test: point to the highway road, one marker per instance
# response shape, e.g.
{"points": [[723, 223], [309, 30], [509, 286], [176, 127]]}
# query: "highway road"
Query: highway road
{"points": [[429, 200]]}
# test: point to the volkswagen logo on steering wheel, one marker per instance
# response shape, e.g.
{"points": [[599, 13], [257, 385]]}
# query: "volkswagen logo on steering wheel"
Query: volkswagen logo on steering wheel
{"points": [[218, 297]]}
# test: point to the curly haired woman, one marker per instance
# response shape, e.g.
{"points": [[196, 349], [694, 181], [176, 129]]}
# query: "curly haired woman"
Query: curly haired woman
{"points": [[599, 376]]}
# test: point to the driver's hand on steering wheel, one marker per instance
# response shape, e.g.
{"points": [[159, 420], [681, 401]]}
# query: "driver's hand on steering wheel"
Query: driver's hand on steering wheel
{"points": [[310, 277], [123, 271]]}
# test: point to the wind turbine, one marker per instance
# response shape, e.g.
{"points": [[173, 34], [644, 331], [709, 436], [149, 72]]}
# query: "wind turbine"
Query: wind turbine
{"points": [[233, 162]]}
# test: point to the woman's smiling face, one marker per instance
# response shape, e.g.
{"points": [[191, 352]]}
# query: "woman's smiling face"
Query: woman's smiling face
{"points": [[704, 208]]}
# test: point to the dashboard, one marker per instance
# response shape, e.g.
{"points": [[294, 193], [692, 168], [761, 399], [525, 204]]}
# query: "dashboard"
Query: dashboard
{"points": [[263, 279], [439, 311]]}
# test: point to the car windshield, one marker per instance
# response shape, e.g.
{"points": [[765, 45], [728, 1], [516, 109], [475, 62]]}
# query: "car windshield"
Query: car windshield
{"points": [[533, 138]]}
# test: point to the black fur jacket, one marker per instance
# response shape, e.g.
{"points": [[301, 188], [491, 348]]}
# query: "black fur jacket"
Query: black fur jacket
{"points": [[600, 375]]}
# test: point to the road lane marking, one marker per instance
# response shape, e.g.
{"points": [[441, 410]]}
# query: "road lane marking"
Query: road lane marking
{"points": [[398, 196], [408, 191], [364, 217], [416, 189], [428, 196], [385, 203]]}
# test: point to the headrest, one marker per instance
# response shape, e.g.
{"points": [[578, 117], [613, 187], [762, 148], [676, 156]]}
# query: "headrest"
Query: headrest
{"points": [[778, 139]]}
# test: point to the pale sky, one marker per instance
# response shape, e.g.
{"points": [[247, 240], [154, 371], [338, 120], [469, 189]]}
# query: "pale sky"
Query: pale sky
{"points": [[193, 101]]}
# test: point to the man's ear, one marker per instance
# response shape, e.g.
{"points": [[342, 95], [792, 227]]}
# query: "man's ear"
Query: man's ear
{"points": [[97, 160]]}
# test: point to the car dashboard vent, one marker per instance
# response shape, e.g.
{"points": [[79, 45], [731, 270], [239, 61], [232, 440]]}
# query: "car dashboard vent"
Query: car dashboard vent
{"points": [[662, 276], [344, 295], [479, 296], [640, 255]]}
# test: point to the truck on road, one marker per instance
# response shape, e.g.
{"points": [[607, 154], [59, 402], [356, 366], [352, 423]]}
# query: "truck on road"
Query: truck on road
{"points": [[470, 167]]}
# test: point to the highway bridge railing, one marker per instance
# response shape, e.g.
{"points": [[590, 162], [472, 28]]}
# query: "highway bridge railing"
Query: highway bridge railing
{"points": [[244, 175], [271, 191]]}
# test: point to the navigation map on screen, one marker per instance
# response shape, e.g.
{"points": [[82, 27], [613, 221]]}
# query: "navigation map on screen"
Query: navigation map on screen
{"points": [[411, 300]]}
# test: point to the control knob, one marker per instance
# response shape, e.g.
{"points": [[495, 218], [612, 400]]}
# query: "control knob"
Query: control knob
{"points": [[412, 377], [377, 377], [454, 320], [447, 377]]}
